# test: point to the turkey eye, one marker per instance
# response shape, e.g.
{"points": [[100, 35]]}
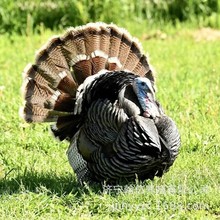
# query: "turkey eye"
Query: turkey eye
{"points": [[142, 83]]}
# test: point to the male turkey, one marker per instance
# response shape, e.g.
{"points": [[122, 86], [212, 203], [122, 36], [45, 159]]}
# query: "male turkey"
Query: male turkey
{"points": [[97, 86]]}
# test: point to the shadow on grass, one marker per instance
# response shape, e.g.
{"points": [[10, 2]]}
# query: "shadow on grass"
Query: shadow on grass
{"points": [[60, 185], [49, 183]]}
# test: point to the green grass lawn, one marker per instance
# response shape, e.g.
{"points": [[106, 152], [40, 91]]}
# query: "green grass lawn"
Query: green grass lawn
{"points": [[37, 182]]}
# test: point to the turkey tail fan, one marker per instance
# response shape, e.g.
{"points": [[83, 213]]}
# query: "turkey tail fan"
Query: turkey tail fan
{"points": [[64, 62]]}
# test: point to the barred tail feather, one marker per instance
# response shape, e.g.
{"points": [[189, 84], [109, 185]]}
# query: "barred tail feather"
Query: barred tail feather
{"points": [[64, 62]]}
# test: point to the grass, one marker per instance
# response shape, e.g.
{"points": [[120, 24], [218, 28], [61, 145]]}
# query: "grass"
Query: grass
{"points": [[37, 181]]}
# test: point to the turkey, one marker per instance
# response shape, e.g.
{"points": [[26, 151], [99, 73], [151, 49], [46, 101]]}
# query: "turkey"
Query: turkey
{"points": [[98, 87]]}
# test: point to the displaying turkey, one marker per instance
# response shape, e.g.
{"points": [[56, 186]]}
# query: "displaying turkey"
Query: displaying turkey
{"points": [[96, 84]]}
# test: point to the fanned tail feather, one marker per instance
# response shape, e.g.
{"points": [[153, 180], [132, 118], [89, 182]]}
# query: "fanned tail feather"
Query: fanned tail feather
{"points": [[62, 64]]}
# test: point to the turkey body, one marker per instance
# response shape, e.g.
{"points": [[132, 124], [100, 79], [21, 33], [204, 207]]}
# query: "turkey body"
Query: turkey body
{"points": [[98, 88], [116, 141]]}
